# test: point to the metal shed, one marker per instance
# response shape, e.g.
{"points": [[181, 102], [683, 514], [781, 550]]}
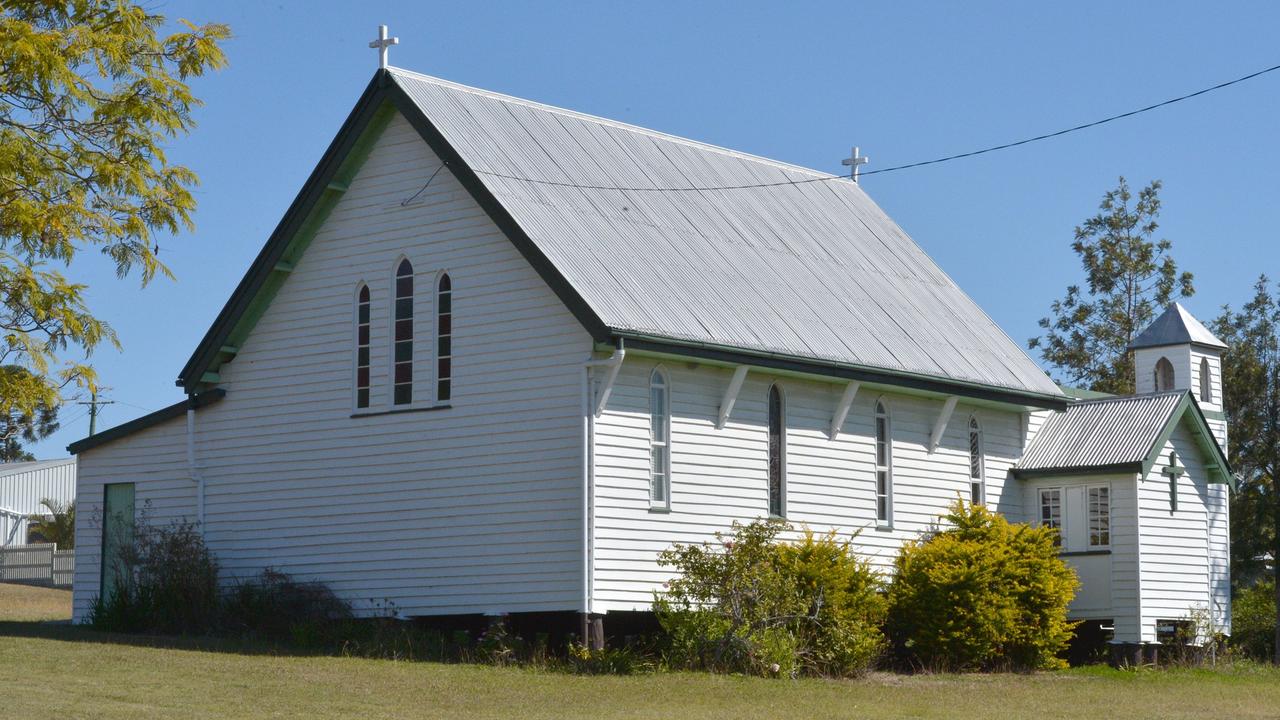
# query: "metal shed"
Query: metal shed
{"points": [[24, 485]]}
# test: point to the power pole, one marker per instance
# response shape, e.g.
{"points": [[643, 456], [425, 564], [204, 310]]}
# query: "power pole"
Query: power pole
{"points": [[93, 404]]}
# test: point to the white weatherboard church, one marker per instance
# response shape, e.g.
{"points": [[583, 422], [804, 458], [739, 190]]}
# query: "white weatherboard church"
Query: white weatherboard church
{"points": [[484, 366]]}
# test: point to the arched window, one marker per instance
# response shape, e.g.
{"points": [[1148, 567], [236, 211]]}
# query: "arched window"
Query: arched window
{"points": [[444, 339], [402, 375], [977, 476], [884, 467], [1206, 381], [362, 347], [1164, 375], [777, 452], [659, 440]]}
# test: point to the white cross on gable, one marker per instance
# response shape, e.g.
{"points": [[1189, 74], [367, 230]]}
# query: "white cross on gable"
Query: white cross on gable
{"points": [[381, 44], [853, 162]]}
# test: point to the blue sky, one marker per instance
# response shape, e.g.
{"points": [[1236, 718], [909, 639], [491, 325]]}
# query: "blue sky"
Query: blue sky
{"points": [[905, 81]]}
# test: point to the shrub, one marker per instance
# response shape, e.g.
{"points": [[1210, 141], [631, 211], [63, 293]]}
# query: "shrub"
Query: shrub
{"points": [[1253, 621], [167, 584], [751, 604], [606, 661], [985, 594], [273, 606]]}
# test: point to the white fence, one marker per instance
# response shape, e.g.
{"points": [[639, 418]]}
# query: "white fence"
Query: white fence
{"points": [[37, 565]]}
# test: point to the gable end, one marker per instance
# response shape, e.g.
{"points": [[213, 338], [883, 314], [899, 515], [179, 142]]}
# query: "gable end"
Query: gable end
{"points": [[381, 99]]}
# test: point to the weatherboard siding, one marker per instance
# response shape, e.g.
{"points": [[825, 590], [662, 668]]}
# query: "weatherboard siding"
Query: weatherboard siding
{"points": [[1114, 594], [1174, 551], [155, 461], [719, 475], [470, 508]]}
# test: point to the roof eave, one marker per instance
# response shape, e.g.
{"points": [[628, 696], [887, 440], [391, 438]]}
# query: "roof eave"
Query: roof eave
{"points": [[781, 361], [1215, 459], [191, 403], [1076, 470]]}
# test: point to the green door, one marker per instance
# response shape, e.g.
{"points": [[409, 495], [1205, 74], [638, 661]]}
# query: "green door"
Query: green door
{"points": [[117, 533]]}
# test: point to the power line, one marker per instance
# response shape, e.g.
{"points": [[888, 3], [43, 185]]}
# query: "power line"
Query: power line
{"points": [[896, 168]]}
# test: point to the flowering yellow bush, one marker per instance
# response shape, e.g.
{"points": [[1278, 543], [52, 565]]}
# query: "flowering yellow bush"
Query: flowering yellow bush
{"points": [[985, 594]]}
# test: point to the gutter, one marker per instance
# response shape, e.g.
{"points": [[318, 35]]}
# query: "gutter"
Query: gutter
{"points": [[828, 368]]}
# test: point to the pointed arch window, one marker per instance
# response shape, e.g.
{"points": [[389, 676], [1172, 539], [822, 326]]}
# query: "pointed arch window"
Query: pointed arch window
{"points": [[1164, 375], [977, 474], [884, 467], [363, 383], [777, 452], [659, 440], [1206, 381], [444, 338], [402, 367]]}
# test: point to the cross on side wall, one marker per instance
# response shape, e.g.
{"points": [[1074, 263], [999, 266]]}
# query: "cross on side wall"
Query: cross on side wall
{"points": [[1173, 471]]}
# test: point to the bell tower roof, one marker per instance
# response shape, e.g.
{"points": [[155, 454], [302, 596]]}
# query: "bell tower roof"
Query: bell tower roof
{"points": [[1176, 327]]}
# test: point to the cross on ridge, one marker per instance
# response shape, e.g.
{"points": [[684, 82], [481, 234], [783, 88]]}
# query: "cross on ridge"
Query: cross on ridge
{"points": [[381, 44], [852, 162]]}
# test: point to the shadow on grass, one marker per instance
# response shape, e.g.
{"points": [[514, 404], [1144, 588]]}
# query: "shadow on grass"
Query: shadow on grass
{"points": [[62, 631]]}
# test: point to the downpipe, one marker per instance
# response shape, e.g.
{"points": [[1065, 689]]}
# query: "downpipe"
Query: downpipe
{"points": [[590, 410], [192, 472]]}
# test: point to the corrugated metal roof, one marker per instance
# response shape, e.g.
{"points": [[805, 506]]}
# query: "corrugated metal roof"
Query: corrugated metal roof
{"points": [[813, 271], [1176, 327], [1103, 432]]}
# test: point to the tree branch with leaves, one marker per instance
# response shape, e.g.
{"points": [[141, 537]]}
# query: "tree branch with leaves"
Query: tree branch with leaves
{"points": [[1129, 276], [90, 94]]}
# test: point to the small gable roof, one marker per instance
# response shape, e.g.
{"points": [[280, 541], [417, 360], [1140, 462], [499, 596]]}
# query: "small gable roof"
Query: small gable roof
{"points": [[1118, 434], [1176, 327], [807, 270]]}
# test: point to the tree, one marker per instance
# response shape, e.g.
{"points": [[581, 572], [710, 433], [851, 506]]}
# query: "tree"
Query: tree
{"points": [[90, 93], [1129, 276], [58, 526], [1251, 399], [21, 425]]}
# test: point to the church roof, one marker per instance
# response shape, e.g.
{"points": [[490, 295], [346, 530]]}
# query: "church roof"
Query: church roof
{"points": [[805, 273], [1116, 434], [1176, 327]]}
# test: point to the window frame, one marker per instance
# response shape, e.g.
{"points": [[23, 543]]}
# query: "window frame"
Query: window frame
{"points": [[1206, 381], [780, 447], [1040, 507], [660, 375], [395, 341], [364, 324], [1095, 529], [977, 463], [1160, 386], [443, 385], [881, 413]]}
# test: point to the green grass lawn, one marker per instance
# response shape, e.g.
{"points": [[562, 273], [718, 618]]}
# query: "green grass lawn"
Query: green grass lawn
{"points": [[59, 671]]}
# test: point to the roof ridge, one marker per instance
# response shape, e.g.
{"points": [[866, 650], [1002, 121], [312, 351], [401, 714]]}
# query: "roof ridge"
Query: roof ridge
{"points": [[1133, 396], [781, 165]]}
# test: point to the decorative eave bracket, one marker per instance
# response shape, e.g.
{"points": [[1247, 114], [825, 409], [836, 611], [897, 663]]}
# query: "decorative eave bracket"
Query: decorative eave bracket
{"points": [[731, 395], [940, 425], [842, 408]]}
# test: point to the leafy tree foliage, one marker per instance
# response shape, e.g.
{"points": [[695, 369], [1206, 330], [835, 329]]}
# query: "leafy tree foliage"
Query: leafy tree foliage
{"points": [[984, 594], [1253, 620], [19, 425], [1251, 399], [1129, 275], [58, 526], [90, 94]]}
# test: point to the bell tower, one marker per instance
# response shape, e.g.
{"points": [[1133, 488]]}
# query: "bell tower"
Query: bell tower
{"points": [[1177, 352]]}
